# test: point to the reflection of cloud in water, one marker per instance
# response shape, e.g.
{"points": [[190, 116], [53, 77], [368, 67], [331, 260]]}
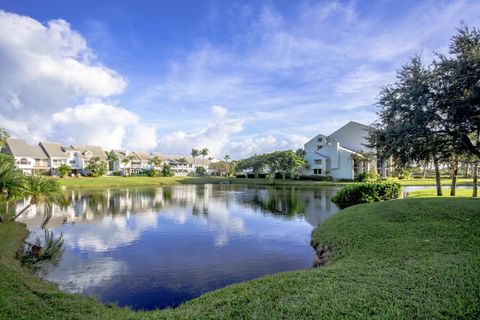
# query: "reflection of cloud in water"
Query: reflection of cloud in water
{"points": [[77, 276]]}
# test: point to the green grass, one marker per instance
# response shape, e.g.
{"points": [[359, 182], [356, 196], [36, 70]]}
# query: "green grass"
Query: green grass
{"points": [[431, 182], [401, 259], [433, 192], [115, 182]]}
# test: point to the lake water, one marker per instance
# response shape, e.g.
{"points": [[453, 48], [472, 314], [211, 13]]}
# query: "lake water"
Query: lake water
{"points": [[153, 248]]}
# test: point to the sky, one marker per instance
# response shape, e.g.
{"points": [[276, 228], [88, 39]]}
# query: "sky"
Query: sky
{"points": [[236, 77]]}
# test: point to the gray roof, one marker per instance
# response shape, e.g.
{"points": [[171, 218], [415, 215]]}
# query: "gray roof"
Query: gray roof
{"points": [[19, 148], [53, 150], [96, 151], [142, 155], [121, 154]]}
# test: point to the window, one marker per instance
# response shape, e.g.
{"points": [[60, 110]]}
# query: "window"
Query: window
{"points": [[317, 171], [319, 147], [318, 161], [319, 139], [24, 161]]}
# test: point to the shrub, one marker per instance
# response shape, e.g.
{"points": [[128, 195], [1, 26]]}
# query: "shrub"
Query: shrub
{"points": [[241, 176], [200, 171], [48, 249], [151, 173], [366, 192], [64, 170], [117, 173], [369, 176]]}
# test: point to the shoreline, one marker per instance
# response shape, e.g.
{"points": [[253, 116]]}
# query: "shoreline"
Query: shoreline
{"points": [[380, 250]]}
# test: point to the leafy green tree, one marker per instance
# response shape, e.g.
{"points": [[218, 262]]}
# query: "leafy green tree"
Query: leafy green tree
{"points": [[221, 168], [182, 161], [64, 170], [200, 171], [204, 152], [97, 167], [457, 90], [155, 161], [167, 170], [409, 127], [42, 192]]}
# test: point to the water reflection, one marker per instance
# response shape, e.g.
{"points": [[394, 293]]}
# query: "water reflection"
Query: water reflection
{"points": [[157, 247]]}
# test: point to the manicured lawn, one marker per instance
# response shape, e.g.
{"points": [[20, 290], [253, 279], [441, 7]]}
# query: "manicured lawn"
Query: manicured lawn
{"points": [[115, 182], [431, 182], [402, 259], [433, 193]]}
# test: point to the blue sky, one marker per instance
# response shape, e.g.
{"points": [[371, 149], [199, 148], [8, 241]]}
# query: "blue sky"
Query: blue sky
{"points": [[238, 77]]}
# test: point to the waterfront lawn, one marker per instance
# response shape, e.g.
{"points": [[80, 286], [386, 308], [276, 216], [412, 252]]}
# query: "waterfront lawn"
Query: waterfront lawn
{"points": [[432, 182], [116, 182], [401, 259], [433, 193]]}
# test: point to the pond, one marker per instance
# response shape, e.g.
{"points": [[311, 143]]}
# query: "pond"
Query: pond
{"points": [[153, 248]]}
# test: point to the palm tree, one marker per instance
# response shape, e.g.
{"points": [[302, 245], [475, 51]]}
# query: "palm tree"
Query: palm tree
{"points": [[3, 137], [112, 158], [182, 161], [227, 158], [155, 161], [41, 191], [204, 152], [195, 153], [10, 183]]}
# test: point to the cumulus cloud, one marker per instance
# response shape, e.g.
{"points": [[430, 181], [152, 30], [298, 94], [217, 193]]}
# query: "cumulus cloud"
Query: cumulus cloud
{"points": [[103, 124], [246, 147], [46, 68], [215, 136]]}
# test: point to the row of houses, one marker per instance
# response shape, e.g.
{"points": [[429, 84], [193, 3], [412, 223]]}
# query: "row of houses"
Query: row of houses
{"points": [[46, 157]]}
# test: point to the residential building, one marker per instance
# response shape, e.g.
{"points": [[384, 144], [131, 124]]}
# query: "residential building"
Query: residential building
{"points": [[129, 163], [341, 154], [180, 165], [30, 159], [56, 155]]}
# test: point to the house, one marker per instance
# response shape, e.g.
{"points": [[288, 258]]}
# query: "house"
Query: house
{"points": [[341, 154], [79, 156], [30, 159], [180, 165], [56, 155], [129, 163]]}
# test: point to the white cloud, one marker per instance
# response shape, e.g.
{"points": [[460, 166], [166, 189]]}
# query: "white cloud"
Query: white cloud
{"points": [[46, 68], [215, 136], [105, 125], [219, 111]]}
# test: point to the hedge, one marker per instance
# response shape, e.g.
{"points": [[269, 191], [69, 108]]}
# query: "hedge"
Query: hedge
{"points": [[366, 192]]}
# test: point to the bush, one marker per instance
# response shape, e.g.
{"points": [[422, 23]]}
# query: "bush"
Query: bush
{"points": [[64, 170], [200, 171], [369, 176], [117, 173], [151, 173], [316, 178], [241, 176], [366, 192]]}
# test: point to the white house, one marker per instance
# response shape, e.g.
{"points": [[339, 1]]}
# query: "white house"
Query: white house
{"points": [[79, 156], [56, 155], [338, 154], [30, 159], [182, 166]]}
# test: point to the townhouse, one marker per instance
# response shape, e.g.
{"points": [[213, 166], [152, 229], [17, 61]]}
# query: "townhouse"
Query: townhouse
{"points": [[46, 157], [341, 154]]}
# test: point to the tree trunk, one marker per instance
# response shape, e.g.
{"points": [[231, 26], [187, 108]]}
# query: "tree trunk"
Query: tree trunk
{"points": [[475, 180], [425, 167], [437, 178], [454, 172], [24, 209]]}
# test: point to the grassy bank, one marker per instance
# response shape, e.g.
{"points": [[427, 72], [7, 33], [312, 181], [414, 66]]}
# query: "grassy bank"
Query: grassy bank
{"points": [[402, 259], [433, 193], [431, 182], [116, 182]]}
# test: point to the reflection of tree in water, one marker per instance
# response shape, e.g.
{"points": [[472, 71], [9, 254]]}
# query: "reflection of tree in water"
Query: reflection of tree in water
{"points": [[278, 201]]}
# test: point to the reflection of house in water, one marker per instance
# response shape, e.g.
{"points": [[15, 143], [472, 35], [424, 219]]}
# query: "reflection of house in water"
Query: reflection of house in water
{"points": [[318, 205]]}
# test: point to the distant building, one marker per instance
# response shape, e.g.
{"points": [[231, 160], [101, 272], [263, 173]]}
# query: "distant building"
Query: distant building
{"points": [[30, 159], [339, 154]]}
